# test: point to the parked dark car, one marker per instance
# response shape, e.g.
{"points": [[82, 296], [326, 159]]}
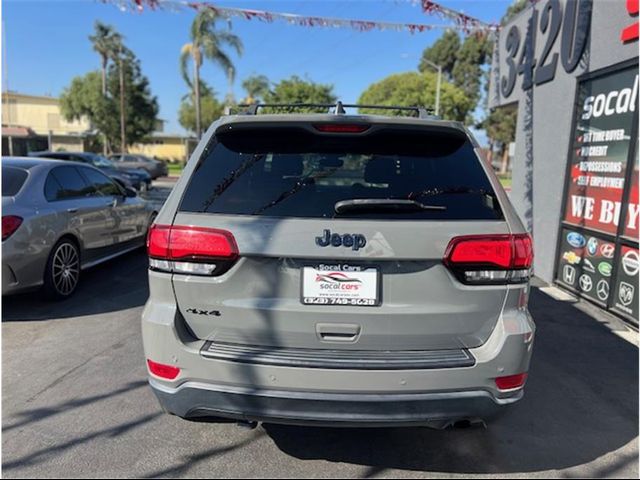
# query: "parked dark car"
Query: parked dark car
{"points": [[59, 218], [138, 179], [153, 167]]}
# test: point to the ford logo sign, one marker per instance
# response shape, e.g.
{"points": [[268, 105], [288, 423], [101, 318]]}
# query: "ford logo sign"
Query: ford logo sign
{"points": [[576, 240]]}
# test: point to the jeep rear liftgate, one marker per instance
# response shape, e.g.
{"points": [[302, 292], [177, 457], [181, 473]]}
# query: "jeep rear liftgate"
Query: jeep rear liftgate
{"points": [[307, 237]]}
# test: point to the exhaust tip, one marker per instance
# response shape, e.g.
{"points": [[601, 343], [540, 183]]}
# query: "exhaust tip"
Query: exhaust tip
{"points": [[247, 424]]}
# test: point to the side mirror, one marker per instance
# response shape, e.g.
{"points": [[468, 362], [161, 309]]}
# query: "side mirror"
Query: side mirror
{"points": [[130, 192]]}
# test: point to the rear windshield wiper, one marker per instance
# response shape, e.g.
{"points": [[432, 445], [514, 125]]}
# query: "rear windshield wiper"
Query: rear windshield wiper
{"points": [[382, 204]]}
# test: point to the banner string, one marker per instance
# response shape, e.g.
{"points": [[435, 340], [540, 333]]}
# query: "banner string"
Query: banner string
{"points": [[460, 21]]}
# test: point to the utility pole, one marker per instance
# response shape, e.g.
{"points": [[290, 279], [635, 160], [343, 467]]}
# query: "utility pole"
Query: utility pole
{"points": [[6, 74], [438, 85], [123, 135], [196, 99], [230, 100]]}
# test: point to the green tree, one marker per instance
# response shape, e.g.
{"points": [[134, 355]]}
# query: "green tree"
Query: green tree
{"points": [[443, 53], [207, 42], [500, 126], [84, 98], [256, 86], [472, 56], [297, 90], [417, 89], [515, 8], [106, 42], [210, 110]]}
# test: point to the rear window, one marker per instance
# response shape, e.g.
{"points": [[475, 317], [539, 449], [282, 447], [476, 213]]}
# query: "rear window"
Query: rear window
{"points": [[294, 173], [12, 180]]}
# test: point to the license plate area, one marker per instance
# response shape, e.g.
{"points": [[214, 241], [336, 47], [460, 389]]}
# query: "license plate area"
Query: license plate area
{"points": [[340, 284]]}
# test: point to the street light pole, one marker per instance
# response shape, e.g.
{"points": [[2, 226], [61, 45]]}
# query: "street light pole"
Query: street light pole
{"points": [[438, 84]]}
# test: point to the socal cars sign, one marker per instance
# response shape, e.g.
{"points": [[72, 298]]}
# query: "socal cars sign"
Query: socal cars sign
{"points": [[598, 161]]}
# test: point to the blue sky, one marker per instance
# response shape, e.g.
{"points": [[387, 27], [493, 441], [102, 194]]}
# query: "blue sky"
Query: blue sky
{"points": [[47, 44]]}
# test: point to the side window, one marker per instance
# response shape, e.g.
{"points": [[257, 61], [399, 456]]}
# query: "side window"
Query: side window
{"points": [[103, 184], [70, 184], [51, 188]]}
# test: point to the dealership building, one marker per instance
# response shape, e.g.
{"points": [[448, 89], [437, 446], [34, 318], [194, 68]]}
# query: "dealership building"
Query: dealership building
{"points": [[571, 68]]}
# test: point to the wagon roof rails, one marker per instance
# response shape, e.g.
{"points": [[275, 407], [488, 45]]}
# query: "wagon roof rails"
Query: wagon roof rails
{"points": [[337, 108]]}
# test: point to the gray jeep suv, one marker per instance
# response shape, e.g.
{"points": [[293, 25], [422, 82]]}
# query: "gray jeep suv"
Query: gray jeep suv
{"points": [[334, 269]]}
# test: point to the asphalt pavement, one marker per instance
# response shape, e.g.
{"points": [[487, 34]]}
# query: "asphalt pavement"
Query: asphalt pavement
{"points": [[75, 403]]}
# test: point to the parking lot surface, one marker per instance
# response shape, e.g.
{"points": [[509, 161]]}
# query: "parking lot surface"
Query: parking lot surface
{"points": [[75, 402]]}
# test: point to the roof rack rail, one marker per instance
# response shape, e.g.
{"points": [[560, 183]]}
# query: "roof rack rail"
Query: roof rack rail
{"points": [[337, 108]]}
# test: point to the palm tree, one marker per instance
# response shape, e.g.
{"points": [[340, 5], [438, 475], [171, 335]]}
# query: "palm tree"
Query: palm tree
{"points": [[105, 42], [256, 86], [207, 41]]}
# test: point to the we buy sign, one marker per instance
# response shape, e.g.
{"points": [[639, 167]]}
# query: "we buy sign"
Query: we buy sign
{"points": [[601, 143]]}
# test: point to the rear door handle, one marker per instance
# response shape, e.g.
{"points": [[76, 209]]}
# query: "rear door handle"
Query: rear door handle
{"points": [[72, 210]]}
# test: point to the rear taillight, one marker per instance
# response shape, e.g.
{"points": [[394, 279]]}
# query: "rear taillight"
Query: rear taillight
{"points": [[191, 250], [341, 128], [168, 372], [490, 259], [511, 382], [10, 224]]}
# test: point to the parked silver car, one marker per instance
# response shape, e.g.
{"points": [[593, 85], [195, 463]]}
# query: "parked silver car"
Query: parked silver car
{"points": [[155, 168], [336, 269], [59, 218]]}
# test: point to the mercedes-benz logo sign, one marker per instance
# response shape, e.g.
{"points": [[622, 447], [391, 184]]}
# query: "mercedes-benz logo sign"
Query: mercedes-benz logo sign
{"points": [[602, 290], [586, 284]]}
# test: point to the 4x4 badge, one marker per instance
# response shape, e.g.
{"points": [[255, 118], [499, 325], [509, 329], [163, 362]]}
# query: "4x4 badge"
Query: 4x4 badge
{"points": [[198, 311]]}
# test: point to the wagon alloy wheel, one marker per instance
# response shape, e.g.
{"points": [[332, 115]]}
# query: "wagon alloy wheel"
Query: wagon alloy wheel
{"points": [[65, 269]]}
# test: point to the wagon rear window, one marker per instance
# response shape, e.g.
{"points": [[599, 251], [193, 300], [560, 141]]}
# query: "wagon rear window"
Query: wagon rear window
{"points": [[298, 174], [12, 180]]}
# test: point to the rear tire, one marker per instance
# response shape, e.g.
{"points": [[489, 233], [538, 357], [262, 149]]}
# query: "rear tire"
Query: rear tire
{"points": [[62, 273]]}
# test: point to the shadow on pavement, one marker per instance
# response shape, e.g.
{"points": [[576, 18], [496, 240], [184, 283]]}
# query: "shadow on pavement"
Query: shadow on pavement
{"points": [[115, 285], [36, 414], [116, 431], [581, 402]]}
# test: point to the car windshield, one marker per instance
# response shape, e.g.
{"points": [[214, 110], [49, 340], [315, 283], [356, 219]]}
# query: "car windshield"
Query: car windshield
{"points": [[286, 175]]}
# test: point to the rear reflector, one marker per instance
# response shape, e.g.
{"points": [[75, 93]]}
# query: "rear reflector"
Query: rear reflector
{"points": [[10, 224], [190, 250], [511, 382], [490, 259], [341, 128], [168, 372]]}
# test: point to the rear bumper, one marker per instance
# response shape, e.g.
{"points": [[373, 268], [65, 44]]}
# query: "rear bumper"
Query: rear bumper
{"points": [[193, 399], [263, 386], [23, 263]]}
